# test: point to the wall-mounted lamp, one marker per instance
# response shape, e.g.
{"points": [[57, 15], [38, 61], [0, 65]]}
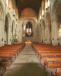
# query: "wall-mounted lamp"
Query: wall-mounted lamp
{"points": [[60, 32], [13, 12], [43, 12]]}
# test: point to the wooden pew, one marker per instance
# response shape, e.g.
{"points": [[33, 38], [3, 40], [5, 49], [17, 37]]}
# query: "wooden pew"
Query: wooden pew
{"points": [[9, 52], [50, 55]]}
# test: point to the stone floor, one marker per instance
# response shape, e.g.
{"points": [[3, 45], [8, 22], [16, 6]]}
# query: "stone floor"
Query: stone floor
{"points": [[26, 64]]}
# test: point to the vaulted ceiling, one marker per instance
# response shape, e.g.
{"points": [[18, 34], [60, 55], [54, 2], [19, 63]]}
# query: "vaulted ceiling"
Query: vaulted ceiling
{"points": [[34, 4]]}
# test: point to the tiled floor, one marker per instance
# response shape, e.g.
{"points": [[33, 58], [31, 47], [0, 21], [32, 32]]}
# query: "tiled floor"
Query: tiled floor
{"points": [[26, 64]]}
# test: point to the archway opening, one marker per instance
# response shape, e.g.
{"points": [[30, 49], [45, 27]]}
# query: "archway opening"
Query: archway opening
{"points": [[29, 25], [28, 29]]}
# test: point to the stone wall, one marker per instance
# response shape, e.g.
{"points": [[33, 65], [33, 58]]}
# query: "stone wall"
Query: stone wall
{"points": [[44, 31], [49, 24], [13, 24]]}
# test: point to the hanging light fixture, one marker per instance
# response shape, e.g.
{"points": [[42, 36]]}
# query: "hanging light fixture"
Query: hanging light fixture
{"points": [[7, 3], [47, 4], [40, 17]]}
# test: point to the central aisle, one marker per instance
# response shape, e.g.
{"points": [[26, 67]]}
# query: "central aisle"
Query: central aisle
{"points": [[26, 64]]}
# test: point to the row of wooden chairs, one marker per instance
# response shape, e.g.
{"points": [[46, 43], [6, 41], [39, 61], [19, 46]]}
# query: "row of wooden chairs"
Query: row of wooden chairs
{"points": [[8, 53], [50, 56]]}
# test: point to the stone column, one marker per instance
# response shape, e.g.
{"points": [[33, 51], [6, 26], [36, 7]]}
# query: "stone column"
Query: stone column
{"points": [[39, 32], [9, 31], [43, 31], [19, 31], [47, 30], [54, 29]]}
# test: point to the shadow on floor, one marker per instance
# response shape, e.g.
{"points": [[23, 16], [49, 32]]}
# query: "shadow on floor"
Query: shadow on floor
{"points": [[29, 69]]}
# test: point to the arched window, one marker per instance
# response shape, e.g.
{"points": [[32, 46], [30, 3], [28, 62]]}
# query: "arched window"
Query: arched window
{"points": [[29, 29]]}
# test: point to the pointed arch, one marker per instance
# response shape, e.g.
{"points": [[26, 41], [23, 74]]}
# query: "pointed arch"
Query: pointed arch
{"points": [[7, 21]]}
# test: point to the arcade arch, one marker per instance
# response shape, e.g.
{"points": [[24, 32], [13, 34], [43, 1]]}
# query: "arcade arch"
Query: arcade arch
{"points": [[8, 28], [2, 21], [33, 21]]}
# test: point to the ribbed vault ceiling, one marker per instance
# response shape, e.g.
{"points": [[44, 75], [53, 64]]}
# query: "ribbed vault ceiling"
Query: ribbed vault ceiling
{"points": [[34, 4]]}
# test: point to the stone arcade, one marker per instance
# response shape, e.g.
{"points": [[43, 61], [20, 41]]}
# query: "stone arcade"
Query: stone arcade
{"points": [[30, 37]]}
